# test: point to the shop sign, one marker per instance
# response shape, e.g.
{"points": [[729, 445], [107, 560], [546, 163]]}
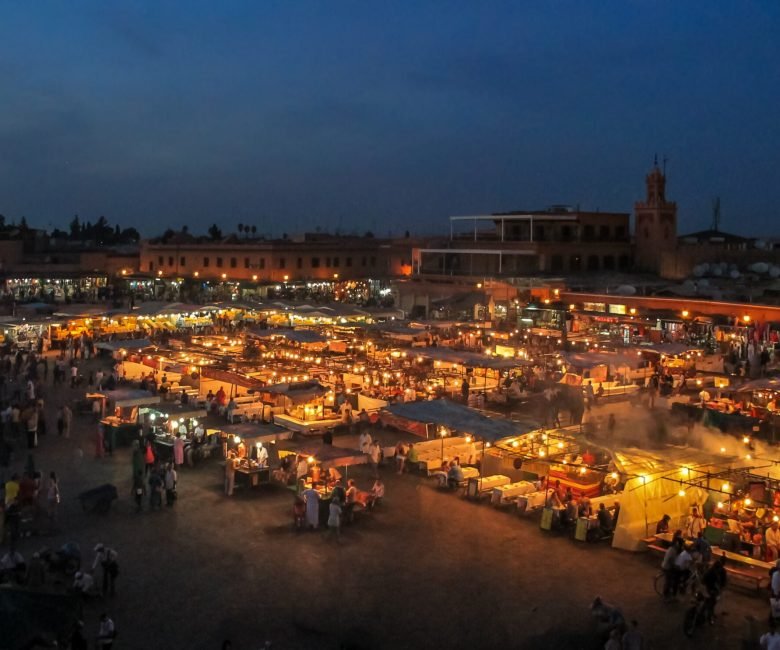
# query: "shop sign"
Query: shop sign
{"points": [[594, 306]]}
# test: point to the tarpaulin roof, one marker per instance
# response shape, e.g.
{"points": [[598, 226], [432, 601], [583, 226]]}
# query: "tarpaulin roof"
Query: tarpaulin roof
{"points": [[297, 336], [298, 391], [128, 344], [326, 455], [251, 430], [131, 397], [174, 410], [670, 349], [592, 359], [767, 383], [230, 377], [461, 418], [471, 359]]}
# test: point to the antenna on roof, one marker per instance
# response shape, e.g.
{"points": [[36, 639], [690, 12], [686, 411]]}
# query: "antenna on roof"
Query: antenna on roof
{"points": [[665, 161], [716, 214], [655, 160]]}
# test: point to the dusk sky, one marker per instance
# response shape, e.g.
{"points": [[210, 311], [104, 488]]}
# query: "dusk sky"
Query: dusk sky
{"points": [[366, 115]]}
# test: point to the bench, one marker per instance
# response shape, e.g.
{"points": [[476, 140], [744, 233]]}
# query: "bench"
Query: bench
{"points": [[749, 576]]}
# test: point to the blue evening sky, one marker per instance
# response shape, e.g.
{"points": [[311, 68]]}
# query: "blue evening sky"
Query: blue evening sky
{"points": [[384, 115]]}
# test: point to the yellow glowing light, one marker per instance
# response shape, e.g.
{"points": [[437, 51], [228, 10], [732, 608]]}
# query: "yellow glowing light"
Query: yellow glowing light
{"points": [[541, 453], [236, 439], [124, 272], [632, 311], [286, 277], [310, 460], [748, 501], [224, 275], [685, 313], [725, 487], [614, 475], [746, 440], [722, 450], [468, 438], [572, 307], [720, 504], [515, 443], [681, 493], [684, 471], [746, 318], [254, 277], [775, 518], [159, 273]]}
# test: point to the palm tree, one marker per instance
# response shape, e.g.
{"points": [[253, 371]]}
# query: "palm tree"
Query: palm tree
{"points": [[240, 228], [254, 231]]}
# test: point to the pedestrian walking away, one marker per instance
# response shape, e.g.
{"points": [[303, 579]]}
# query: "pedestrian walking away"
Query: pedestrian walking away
{"points": [[106, 559]]}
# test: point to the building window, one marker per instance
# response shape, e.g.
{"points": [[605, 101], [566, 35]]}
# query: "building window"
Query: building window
{"points": [[588, 233], [624, 262], [160, 260], [566, 233], [205, 262], [219, 262], [261, 263], [556, 263], [609, 263], [373, 261], [315, 262], [182, 261], [604, 233], [575, 263], [593, 263], [327, 262], [336, 262], [282, 262], [363, 260], [620, 232], [246, 262], [151, 266], [348, 261], [299, 263], [233, 262], [539, 233]]}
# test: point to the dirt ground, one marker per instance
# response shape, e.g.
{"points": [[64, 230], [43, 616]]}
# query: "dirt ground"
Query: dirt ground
{"points": [[429, 569]]}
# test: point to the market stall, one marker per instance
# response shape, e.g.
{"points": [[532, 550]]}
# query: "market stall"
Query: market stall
{"points": [[120, 413]]}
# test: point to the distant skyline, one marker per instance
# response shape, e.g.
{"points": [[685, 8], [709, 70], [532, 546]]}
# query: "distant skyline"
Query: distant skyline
{"points": [[384, 116]]}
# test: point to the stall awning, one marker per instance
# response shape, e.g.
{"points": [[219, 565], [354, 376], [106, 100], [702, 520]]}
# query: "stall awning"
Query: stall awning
{"points": [[460, 418], [129, 344], [593, 359], [768, 383], [125, 397], [230, 378], [173, 410], [326, 455], [299, 391], [670, 349], [296, 336], [257, 432], [470, 359]]}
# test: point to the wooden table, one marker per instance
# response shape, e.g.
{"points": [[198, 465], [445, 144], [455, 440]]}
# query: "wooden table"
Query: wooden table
{"points": [[505, 493], [479, 486]]}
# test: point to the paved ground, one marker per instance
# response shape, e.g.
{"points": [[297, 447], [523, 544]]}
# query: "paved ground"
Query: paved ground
{"points": [[429, 570]]}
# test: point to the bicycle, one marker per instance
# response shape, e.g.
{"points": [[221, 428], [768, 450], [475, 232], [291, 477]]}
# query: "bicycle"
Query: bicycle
{"points": [[693, 580]]}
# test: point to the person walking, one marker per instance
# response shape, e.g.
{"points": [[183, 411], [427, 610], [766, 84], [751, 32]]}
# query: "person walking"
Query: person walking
{"points": [[53, 496], [230, 473], [155, 490], [312, 499], [100, 441], [32, 428], [67, 418], [106, 559], [106, 633], [374, 456], [138, 489], [178, 450], [149, 457], [60, 422], [74, 373], [170, 485], [334, 518]]}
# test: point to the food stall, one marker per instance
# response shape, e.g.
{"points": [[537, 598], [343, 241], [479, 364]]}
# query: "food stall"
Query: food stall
{"points": [[120, 413], [304, 406], [246, 440], [167, 420]]}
